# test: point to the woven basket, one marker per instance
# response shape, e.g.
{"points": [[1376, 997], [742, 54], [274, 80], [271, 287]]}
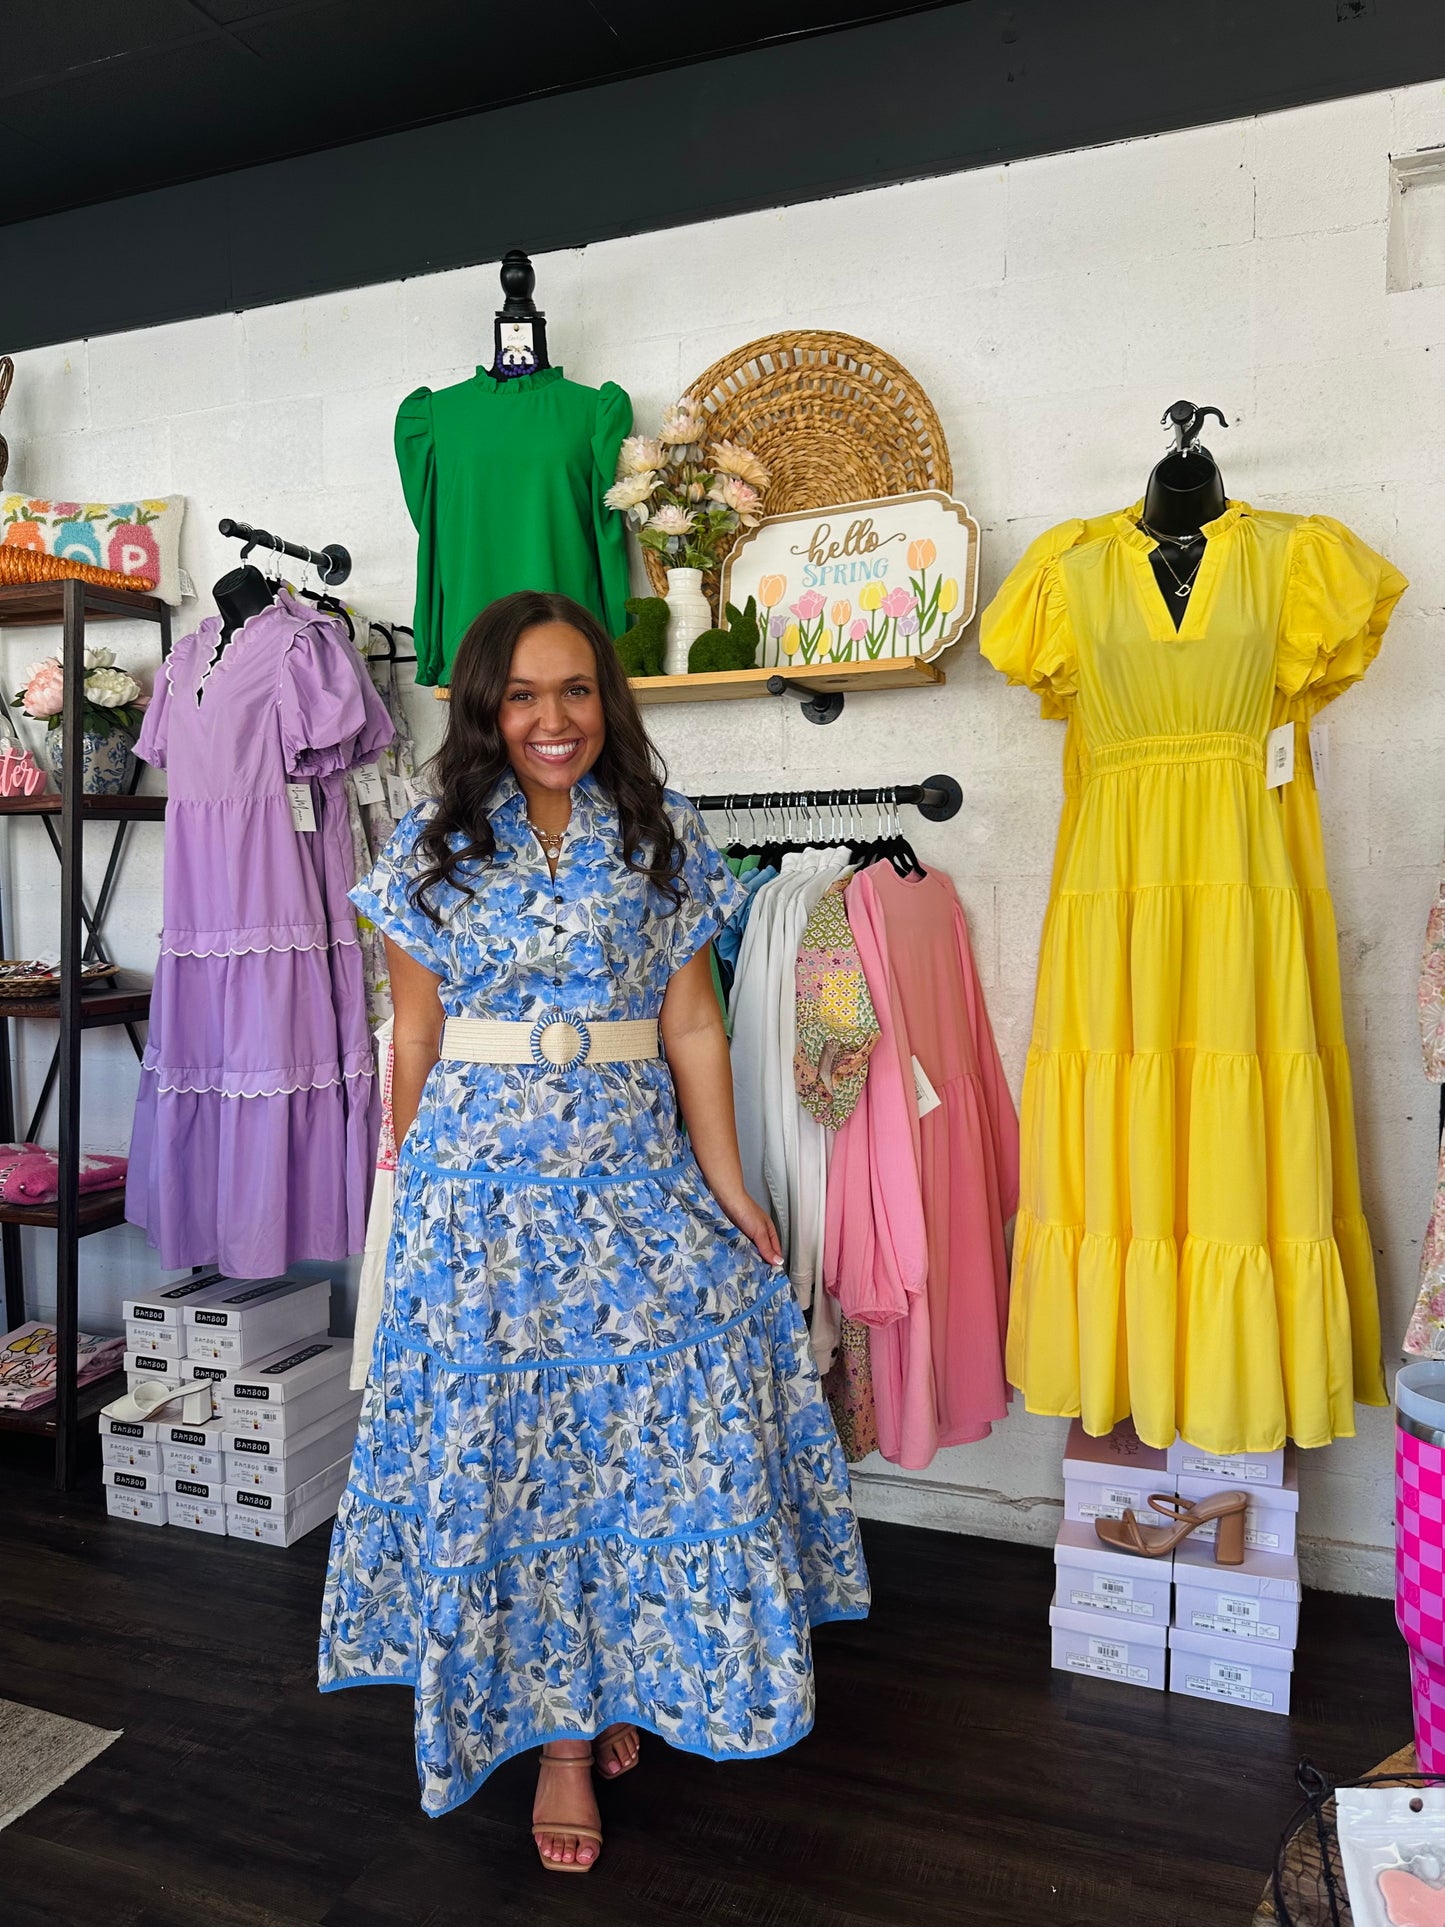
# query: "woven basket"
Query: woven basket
{"points": [[832, 418], [34, 565], [42, 980]]}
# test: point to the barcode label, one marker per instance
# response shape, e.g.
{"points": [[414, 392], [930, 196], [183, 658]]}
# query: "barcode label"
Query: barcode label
{"points": [[1238, 1686], [1234, 1607], [1114, 1588]]}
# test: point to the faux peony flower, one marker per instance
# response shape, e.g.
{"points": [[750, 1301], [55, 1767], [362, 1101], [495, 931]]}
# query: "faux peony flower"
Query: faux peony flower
{"points": [[111, 688], [670, 520], [97, 657], [639, 454], [630, 491], [44, 691], [739, 496], [731, 458], [682, 423]]}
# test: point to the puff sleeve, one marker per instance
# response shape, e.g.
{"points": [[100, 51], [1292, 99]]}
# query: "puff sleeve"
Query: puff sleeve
{"points": [[711, 893], [384, 897], [1025, 631], [153, 744], [609, 529], [416, 463], [1338, 599], [331, 716]]}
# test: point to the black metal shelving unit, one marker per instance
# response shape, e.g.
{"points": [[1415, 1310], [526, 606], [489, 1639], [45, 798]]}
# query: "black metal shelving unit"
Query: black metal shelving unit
{"points": [[73, 605]]}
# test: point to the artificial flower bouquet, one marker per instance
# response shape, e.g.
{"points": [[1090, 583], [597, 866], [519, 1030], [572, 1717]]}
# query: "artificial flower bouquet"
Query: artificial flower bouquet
{"points": [[684, 497], [112, 700]]}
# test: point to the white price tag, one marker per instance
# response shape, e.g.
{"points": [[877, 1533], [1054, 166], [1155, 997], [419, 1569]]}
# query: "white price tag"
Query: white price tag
{"points": [[303, 810], [368, 784], [1107, 1649], [1279, 757], [1223, 1673], [1320, 753], [1232, 1606], [928, 1098], [399, 795], [1113, 1588]]}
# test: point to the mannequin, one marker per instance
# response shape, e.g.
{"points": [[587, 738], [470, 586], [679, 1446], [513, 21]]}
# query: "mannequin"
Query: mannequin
{"points": [[243, 593], [519, 329], [1185, 491]]}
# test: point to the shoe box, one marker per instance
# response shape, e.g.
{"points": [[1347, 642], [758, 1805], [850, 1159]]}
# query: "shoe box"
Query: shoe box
{"points": [[1133, 1652], [131, 1443], [1207, 1668], [290, 1389], [1105, 1477], [131, 1494], [1240, 1468], [192, 1451], [1093, 1578], [1256, 1603], [281, 1518], [1215, 1632], [252, 1318], [1271, 1522], [281, 1465], [155, 1320]]}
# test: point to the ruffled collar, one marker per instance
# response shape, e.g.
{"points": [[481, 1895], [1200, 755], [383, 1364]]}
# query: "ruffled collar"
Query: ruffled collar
{"points": [[1126, 525], [517, 384]]}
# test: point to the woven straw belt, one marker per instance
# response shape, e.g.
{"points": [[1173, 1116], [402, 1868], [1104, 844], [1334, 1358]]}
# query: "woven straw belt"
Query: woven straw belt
{"points": [[555, 1042]]}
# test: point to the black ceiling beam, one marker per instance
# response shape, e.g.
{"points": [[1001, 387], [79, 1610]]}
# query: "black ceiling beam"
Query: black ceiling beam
{"points": [[925, 94]]}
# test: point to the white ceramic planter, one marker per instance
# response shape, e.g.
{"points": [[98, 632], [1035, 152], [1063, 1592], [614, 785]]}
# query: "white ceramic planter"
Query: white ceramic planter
{"points": [[688, 614]]}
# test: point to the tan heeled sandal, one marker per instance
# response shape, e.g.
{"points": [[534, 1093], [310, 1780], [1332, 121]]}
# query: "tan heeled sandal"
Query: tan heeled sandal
{"points": [[1152, 1542], [609, 1740], [542, 1828]]}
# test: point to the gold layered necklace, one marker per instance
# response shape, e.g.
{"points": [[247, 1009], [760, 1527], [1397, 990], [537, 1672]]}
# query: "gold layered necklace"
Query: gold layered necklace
{"points": [[1183, 583], [551, 841]]}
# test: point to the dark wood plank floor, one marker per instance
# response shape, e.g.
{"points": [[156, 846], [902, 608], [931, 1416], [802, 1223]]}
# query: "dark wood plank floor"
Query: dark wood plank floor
{"points": [[952, 1776]]}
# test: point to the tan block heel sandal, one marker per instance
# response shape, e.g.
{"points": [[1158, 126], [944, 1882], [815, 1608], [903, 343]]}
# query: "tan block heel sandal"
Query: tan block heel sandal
{"points": [[1152, 1542], [542, 1828]]}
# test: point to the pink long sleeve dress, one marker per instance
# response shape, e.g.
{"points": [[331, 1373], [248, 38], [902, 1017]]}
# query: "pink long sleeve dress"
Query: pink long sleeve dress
{"points": [[916, 1205]]}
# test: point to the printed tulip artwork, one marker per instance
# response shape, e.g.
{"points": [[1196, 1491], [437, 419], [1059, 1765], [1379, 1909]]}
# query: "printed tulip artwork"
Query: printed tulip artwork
{"points": [[922, 554], [948, 597], [840, 615], [771, 591], [810, 625], [792, 640], [921, 557]]}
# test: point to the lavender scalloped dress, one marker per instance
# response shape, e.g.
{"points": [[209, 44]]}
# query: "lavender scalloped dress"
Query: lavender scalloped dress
{"points": [[256, 1123]]}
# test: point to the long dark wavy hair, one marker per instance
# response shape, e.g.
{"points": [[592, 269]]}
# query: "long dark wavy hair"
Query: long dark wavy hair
{"points": [[473, 756]]}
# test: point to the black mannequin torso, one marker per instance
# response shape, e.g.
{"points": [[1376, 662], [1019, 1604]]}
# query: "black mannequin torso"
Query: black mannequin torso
{"points": [[243, 593], [1184, 492]]}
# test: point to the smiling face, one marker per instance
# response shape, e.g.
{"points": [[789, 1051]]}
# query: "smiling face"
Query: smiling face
{"points": [[551, 714]]}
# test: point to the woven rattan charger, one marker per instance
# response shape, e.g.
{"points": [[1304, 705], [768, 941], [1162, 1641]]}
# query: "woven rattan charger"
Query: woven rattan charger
{"points": [[831, 417]]}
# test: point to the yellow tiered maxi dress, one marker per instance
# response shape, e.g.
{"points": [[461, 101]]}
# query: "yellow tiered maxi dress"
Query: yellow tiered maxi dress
{"points": [[1186, 1104]]}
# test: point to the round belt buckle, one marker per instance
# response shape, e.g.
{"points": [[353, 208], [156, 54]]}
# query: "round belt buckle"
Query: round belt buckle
{"points": [[559, 1042]]}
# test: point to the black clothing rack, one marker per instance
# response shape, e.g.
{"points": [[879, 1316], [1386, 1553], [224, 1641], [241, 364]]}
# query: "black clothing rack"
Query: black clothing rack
{"points": [[937, 797], [333, 562]]}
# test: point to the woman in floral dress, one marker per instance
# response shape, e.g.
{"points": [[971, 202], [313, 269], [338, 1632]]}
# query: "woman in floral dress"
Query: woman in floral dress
{"points": [[596, 1487]]}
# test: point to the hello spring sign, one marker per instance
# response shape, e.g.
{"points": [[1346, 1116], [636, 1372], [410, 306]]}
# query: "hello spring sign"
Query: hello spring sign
{"points": [[859, 583]]}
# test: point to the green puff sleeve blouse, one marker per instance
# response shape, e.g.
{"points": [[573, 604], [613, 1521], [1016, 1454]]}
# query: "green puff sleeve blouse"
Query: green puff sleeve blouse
{"points": [[504, 481]]}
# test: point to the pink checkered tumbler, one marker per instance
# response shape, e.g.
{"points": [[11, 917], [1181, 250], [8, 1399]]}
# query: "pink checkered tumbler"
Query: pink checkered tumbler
{"points": [[1420, 1548]]}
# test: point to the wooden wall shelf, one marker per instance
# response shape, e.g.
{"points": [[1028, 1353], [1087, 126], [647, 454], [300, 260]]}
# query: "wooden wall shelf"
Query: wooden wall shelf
{"points": [[809, 681]]}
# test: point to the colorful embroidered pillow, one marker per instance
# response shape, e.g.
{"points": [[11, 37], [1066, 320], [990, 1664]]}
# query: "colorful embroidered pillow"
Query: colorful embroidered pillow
{"points": [[30, 1174], [130, 538]]}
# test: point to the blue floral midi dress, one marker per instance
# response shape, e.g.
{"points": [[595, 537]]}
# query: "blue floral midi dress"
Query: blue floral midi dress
{"points": [[595, 1478]]}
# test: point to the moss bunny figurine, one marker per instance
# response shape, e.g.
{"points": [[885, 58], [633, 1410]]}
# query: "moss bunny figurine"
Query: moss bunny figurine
{"points": [[641, 650], [735, 647]]}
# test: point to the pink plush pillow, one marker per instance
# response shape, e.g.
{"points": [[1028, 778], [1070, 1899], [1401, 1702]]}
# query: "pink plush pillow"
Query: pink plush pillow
{"points": [[30, 1174]]}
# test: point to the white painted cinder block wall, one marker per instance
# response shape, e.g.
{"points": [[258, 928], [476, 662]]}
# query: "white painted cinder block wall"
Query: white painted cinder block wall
{"points": [[1052, 309]]}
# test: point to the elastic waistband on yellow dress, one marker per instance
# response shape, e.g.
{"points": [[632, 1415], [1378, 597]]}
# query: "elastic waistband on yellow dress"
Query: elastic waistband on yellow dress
{"points": [[1223, 746]]}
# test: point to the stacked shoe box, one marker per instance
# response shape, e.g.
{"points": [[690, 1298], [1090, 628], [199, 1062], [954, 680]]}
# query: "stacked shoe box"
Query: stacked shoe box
{"points": [[288, 1425], [1234, 1628], [1111, 1609], [225, 1330], [132, 1454]]}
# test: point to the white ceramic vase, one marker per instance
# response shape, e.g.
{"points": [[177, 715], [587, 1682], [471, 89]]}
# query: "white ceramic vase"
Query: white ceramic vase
{"points": [[688, 615]]}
